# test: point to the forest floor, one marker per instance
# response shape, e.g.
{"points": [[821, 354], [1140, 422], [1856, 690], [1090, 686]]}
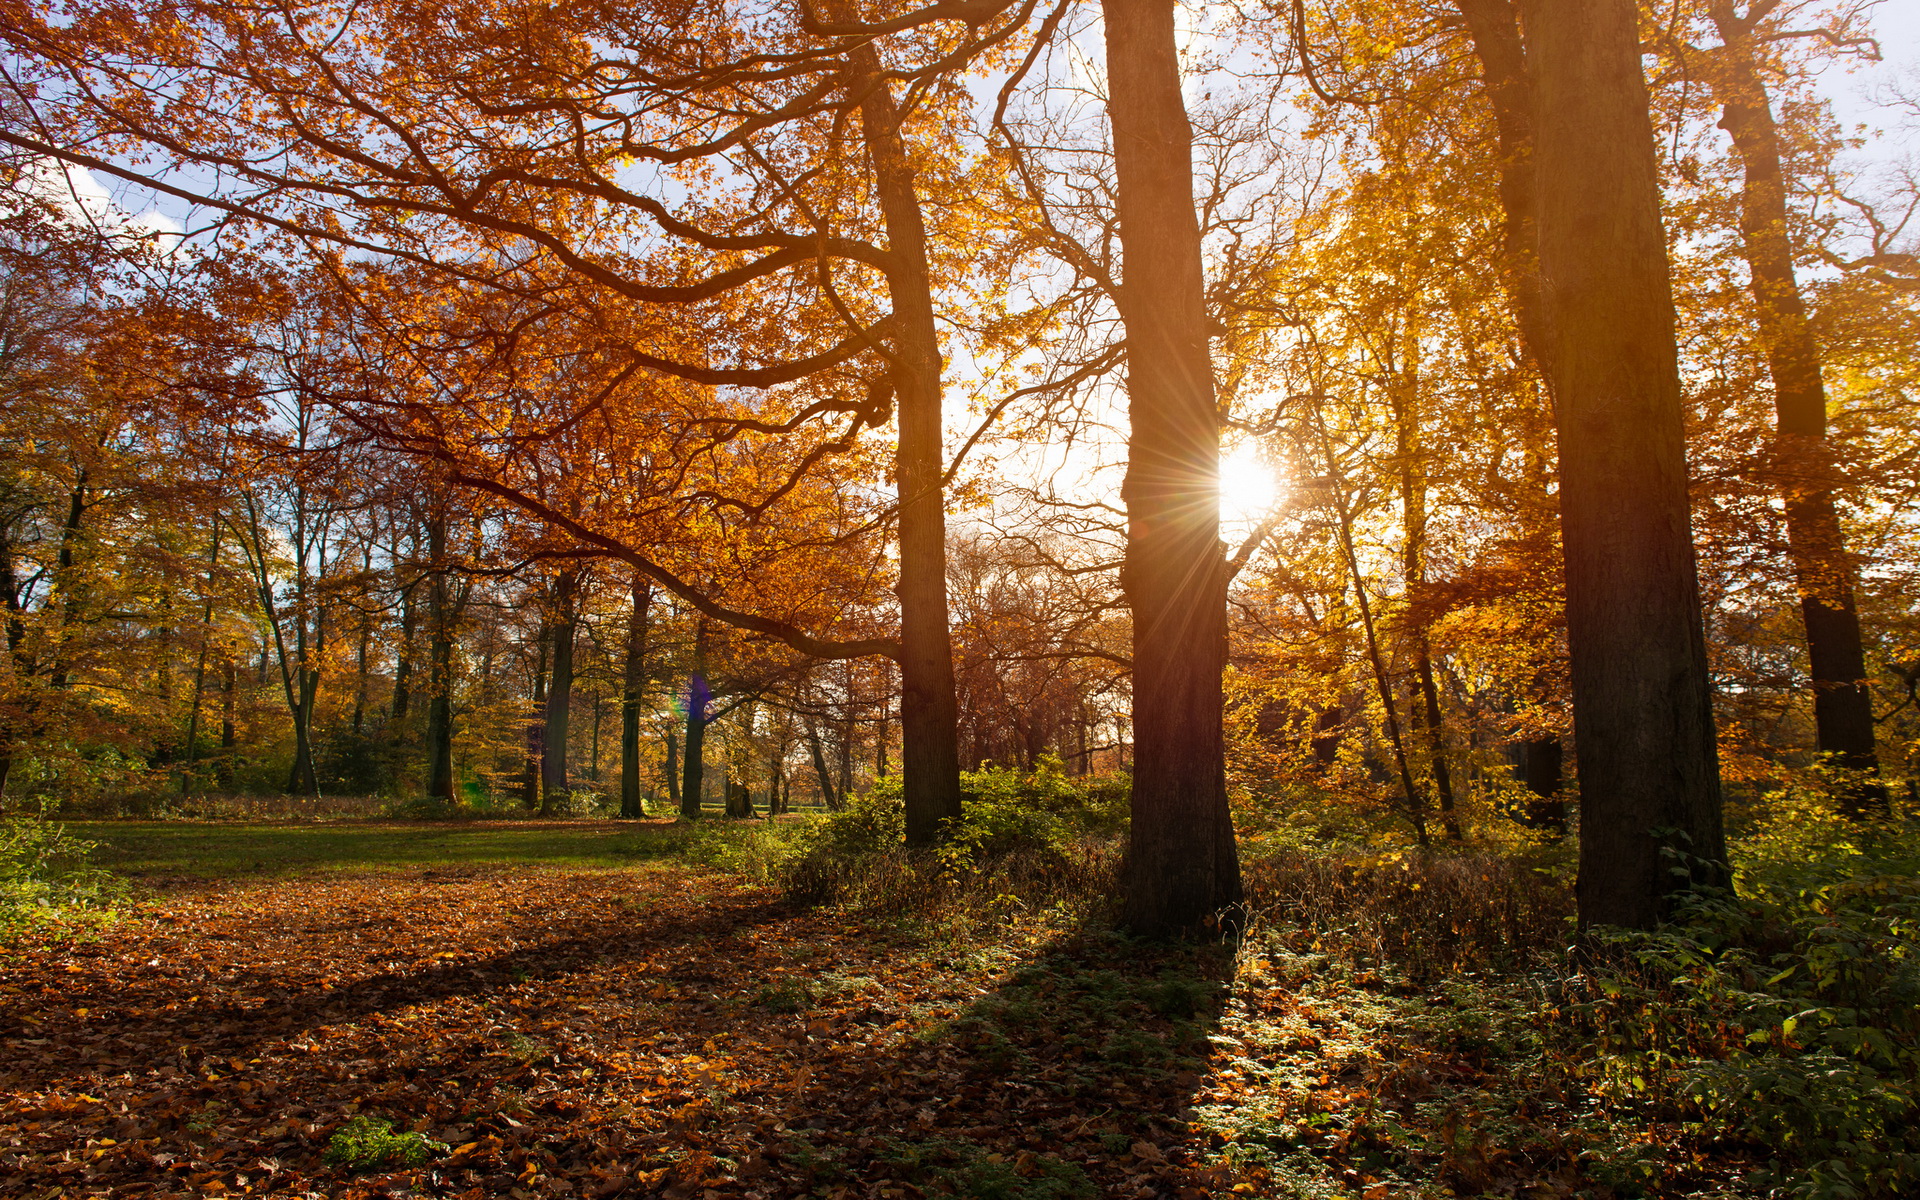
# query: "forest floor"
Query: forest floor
{"points": [[551, 1026]]}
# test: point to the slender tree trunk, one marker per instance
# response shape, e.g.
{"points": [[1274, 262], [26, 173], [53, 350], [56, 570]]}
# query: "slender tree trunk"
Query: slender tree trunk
{"points": [[68, 581], [1183, 866], [560, 691], [442, 616], [673, 770], [200, 666], [698, 696], [1494, 28], [929, 713], [403, 669], [632, 693], [229, 710], [1643, 711], [828, 794], [536, 724], [1427, 718], [1804, 462]]}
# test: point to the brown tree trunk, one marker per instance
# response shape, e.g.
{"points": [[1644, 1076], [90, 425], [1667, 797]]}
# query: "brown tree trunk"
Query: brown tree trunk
{"points": [[929, 713], [633, 685], [1493, 26], [698, 696], [559, 693], [1643, 712], [1804, 463], [536, 731], [828, 795], [441, 615], [1182, 867], [229, 705]]}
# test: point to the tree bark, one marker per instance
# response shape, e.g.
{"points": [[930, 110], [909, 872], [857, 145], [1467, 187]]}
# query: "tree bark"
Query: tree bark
{"points": [[698, 695], [929, 713], [559, 713], [632, 691], [1182, 867], [1643, 712], [441, 615], [828, 795], [536, 723], [1804, 463]]}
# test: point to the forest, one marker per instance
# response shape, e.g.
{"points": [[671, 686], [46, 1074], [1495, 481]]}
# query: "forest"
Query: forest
{"points": [[1002, 598]]}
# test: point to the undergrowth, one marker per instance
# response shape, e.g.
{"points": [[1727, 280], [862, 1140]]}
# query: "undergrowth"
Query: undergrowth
{"points": [[45, 873]]}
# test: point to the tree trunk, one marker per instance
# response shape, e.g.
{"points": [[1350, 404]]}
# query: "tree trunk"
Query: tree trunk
{"points": [[929, 712], [1804, 463], [559, 693], [229, 705], [673, 770], [439, 669], [1182, 865], [828, 795], [536, 724], [403, 670], [698, 695], [632, 692], [1643, 712], [1494, 28]]}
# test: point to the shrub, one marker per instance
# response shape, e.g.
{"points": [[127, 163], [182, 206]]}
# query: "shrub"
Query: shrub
{"points": [[1782, 1014], [1024, 838], [368, 1143], [44, 871]]}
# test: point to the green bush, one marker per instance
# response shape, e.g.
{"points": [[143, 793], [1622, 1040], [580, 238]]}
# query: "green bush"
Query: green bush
{"points": [[368, 1143], [1023, 837], [44, 871], [1784, 1014]]}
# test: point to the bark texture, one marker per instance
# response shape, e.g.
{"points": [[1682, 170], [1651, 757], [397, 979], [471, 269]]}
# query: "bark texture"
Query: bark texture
{"points": [[633, 685], [1183, 867], [1643, 715], [929, 712]]}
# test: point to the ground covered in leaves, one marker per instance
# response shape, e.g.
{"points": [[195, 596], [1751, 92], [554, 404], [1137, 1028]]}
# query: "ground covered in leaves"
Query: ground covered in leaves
{"points": [[492, 1030]]}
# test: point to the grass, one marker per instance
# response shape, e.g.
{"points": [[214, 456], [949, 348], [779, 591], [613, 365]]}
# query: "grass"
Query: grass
{"points": [[228, 849]]}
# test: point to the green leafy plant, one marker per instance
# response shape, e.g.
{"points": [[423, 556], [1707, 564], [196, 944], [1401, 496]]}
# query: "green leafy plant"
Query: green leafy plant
{"points": [[368, 1143], [45, 871]]}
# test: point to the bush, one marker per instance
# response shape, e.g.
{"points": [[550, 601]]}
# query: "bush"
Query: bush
{"points": [[1024, 838], [1782, 1014], [369, 1143], [44, 872]]}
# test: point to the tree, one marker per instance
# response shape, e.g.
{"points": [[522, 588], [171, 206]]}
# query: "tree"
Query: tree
{"points": [[1183, 866], [1805, 465], [1642, 708]]}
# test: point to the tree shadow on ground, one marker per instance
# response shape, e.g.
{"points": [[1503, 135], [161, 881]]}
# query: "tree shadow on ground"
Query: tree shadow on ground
{"points": [[1069, 1075], [587, 1043]]}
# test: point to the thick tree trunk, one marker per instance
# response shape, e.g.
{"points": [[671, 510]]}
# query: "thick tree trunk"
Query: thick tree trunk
{"points": [[1643, 713], [698, 696], [633, 686], [929, 713], [1182, 865], [559, 714], [1804, 463]]}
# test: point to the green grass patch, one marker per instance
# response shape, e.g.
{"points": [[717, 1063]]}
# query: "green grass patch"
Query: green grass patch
{"points": [[226, 849]]}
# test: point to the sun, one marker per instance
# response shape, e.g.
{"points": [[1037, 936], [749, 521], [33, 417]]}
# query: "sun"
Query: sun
{"points": [[1249, 488]]}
